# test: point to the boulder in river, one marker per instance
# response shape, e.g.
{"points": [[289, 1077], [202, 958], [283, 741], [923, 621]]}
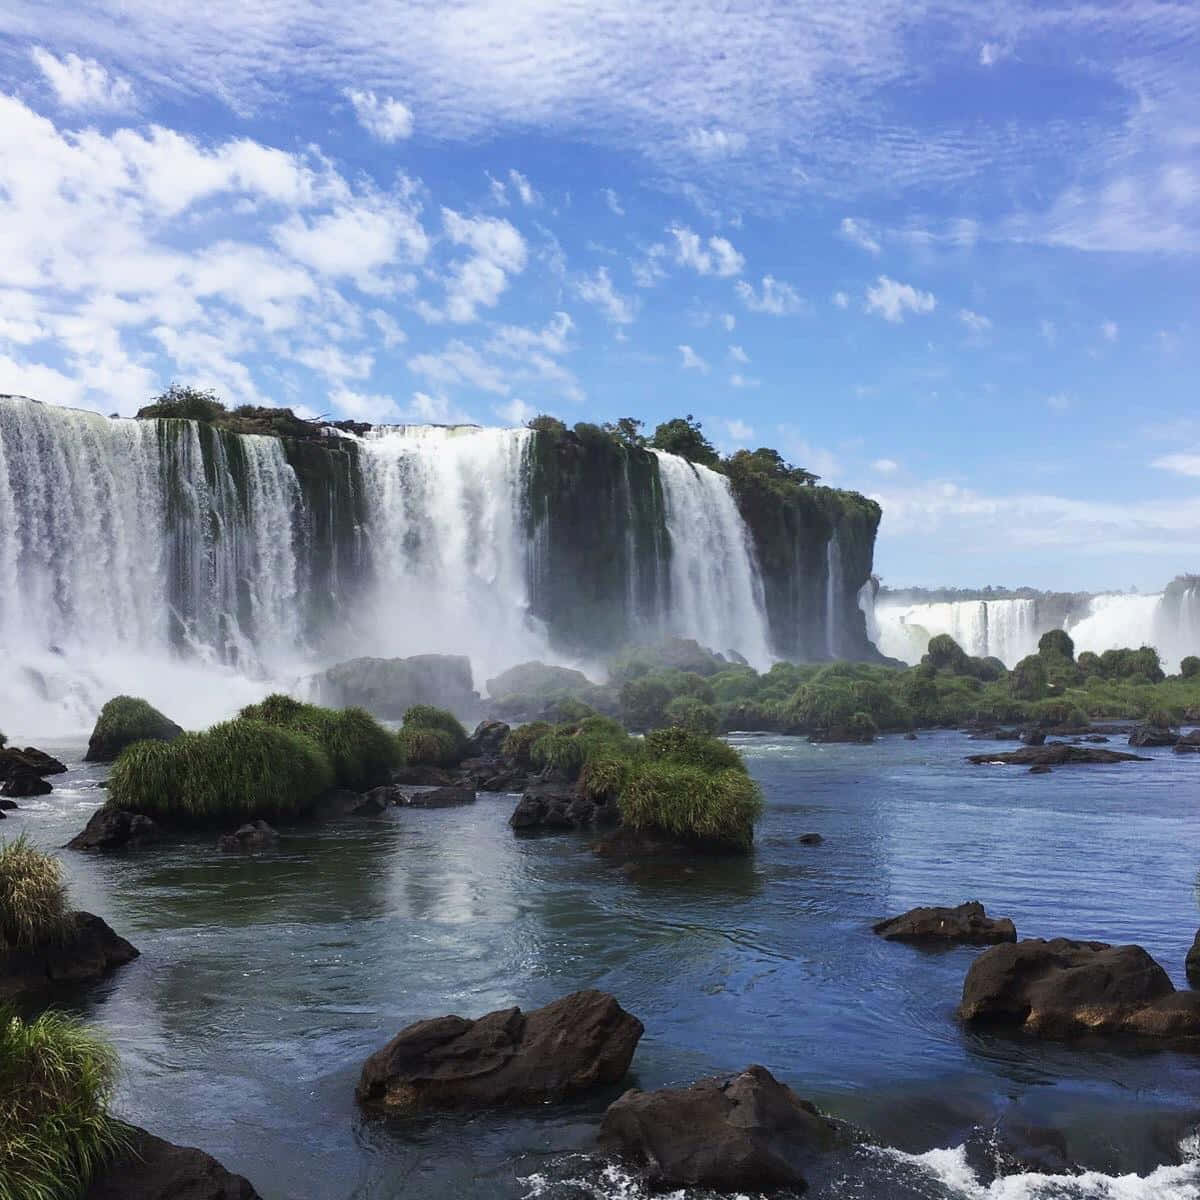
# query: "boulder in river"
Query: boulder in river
{"points": [[1152, 735], [116, 829], [552, 806], [438, 797], [487, 739], [23, 784], [1064, 988], [123, 721], [254, 835], [29, 761], [1192, 963], [967, 924], [508, 1057], [1057, 754], [154, 1169], [1189, 743], [89, 951], [389, 687], [745, 1133]]}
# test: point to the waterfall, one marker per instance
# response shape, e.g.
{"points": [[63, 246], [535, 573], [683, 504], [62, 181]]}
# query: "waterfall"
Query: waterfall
{"points": [[833, 591], [716, 593], [1003, 629]]}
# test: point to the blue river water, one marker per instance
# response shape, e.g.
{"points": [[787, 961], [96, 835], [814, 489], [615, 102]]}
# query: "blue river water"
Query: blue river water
{"points": [[265, 980]]}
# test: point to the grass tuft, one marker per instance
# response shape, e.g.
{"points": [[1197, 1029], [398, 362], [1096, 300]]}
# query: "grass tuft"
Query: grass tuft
{"points": [[123, 721], [450, 747], [693, 803], [33, 898]]}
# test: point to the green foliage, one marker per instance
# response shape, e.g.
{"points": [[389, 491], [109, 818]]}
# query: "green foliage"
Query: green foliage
{"points": [[766, 468], [518, 745], [359, 749], [1189, 668], [548, 425], [688, 712], [644, 702], [686, 748], [426, 717], [1027, 680], [862, 727], [605, 773], [1056, 643], [56, 1081], [237, 770], [945, 654], [684, 436], [627, 431], [425, 747], [692, 802], [127, 719], [33, 898], [186, 402]]}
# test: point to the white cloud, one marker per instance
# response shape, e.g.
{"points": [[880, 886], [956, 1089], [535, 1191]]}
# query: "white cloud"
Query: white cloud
{"points": [[776, 298], [859, 233], [740, 434], [891, 300], [1180, 464], [715, 143], [552, 338], [738, 355], [516, 412], [691, 361], [1110, 330], [991, 53], [363, 406], [82, 83], [499, 191], [841, 300], [334, 363], [1060, 401], [436, 410], [383, 117], [649, 271], [716, 257], [729, 321], [497, 252], [598, 289], [885, 466], [388, 327], [460, 364], [739, 380], [614, 202], [976, 323], [798, 450], [523, 188]]}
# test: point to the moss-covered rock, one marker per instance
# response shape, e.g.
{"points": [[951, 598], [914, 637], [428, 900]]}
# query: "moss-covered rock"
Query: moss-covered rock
{"points": [[123, 721]]}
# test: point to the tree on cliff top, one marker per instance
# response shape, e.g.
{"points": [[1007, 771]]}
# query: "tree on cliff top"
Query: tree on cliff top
{"points": [[182, 400], [683, 436]]}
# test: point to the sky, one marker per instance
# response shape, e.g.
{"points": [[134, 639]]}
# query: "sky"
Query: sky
{"points": [[945, 253]]}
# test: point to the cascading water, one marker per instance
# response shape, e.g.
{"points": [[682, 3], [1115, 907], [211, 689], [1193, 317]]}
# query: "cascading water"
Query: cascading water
{"points": [[833, 592], [716, 592], [1003, 629], [448, 544]]}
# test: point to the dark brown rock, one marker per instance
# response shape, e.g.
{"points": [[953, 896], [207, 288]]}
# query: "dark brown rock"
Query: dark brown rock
{"points": [[1189, 743], [560, 805], [24, 783], [1064, 988], [1057, 754], [28, 762], [1040, 769], [254, 835], [440, 797], [810, 839], [1152, 735], [1192, 963], [967, 924], [747, 1132], [628, 844], [8, 805], [488, 738], [157, 1170], [92, 950], [423, 776], [505, 1058], [116, 829]]}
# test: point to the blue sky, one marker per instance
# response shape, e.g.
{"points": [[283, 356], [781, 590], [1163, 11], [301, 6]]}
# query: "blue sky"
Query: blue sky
{"points": [[945, 253]]}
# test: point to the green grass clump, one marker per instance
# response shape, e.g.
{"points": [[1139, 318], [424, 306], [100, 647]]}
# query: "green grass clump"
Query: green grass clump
{"points": [[692, 803], [605, 774], [425, 716], [689, 712], [33, 898], [237, 770], [518, 745], [56, 1080], [124, 720], [684, 748], [424, 747], [360, 750]]}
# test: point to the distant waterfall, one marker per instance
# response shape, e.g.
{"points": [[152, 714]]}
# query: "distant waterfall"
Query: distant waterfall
{"points": [[716, 592], [833, 591], [1003, 629]]}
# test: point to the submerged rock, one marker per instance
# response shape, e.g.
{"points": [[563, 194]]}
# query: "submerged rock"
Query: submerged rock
{"points": [[1064, 988], [967, 924], [1152, 735], [1057, 754], [746, 1132], [505, 1058], [810, 839], [154, 1169], [116, 829], [254, 835], [90, 950]]}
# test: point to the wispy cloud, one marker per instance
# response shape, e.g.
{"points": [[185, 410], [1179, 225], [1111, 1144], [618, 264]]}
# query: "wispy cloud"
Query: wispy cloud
{"points": [[384, 117], [717, 256], [891, 300], [775, 298], [83, 83], [691, 361], [597, 289], [1179, 464], [858, 233]]}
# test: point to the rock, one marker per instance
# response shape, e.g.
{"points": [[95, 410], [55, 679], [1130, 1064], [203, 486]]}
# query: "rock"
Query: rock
{"points": [[1192, 963], [1059, 754], [910, 737], [967, 924], [90, 951], [1032, 737], [505, 780], [1150, 735], [442, 797], [625, 843], [1040, 769], [744, 1133], [28, 762], [539, 679], [487, 739], [8, 805], [1064, 988], [158, 1170], [123, 721], [507, 1057], [1096, 739], [560, 806], [423, 776], [377, 800], [24, 783], [809, 839], [254, 835], [116, 829], [388, 687], [1189, 743]]}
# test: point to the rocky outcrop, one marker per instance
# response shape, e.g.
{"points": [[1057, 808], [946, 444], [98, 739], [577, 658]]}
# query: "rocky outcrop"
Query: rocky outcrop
{"points": [[91, 950], [552, 805], [388, 687], [123, 721], [967, 924], [1057, 754], [1145, 736], [744, 1133], [488, 739], [22, 772], [628, 845], [154, 1169], [254, 835], [116, 829], [1189, 743], [439, 797], [508, 1057], [1063, 988], [24, 784], [1192, 963]]}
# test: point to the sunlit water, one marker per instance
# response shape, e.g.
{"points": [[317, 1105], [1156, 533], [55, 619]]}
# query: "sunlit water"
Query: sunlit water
{"points": [[265, 981]]}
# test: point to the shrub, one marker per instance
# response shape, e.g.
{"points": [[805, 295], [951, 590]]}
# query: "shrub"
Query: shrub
{"points": [[428, 747], [1189, 668], [190, 403], [690, 749], [559, 750], [1027, 680], [605, 774], [644, 702], [123, 721], [684, 436], [425, 716], [236, 770], [1056, 643], [945, 654], [56, 1080], [861, 727], [692, 802], [3, 740], [33, 897], [519, 743], [686, 712], [359, 749], [548, 425]]}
